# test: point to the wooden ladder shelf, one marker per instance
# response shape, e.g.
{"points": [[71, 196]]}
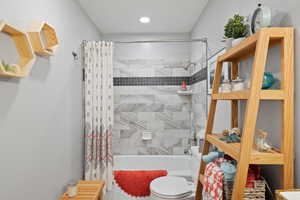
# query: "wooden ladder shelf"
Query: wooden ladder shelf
{"points": [[256, 45]]}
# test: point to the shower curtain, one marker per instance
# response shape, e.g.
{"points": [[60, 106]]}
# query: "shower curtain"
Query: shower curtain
{"points": [[98, 110]]}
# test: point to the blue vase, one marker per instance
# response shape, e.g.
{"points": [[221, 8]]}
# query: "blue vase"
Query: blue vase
{"points": [[268, 80]]}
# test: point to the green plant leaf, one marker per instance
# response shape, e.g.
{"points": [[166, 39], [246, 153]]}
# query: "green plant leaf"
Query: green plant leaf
{"points": [[235, 27]]}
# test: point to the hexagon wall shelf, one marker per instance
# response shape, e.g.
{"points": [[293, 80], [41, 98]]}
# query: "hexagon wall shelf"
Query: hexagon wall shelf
{"points": [[24, 49], [43, 38]]}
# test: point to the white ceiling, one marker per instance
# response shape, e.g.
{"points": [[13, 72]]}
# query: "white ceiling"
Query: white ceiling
{"points": [[121, 16]]}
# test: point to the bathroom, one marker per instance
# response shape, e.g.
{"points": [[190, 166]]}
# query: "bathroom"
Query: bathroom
{"points": [[143, 117]]}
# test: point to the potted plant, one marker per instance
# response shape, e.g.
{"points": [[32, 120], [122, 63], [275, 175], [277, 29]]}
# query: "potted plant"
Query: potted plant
{"points": [[235, 30], [7, 68]]}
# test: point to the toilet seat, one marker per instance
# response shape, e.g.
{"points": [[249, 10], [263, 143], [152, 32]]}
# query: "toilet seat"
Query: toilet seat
{"points": [[170, 187]]}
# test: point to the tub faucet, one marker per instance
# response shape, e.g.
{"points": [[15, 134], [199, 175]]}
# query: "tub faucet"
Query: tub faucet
{"points": [[191, 142], [187, 151]]}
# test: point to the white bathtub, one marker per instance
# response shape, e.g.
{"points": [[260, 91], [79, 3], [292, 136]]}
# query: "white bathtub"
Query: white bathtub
{"points": [[179, 165], [173, 164]]}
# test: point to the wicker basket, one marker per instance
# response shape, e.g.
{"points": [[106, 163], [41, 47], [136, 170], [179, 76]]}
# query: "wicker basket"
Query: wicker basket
{"points": [[280, 197], [256, 193]]}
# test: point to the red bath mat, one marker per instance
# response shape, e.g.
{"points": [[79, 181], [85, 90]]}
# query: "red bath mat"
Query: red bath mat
{"points": [[137, 183]]}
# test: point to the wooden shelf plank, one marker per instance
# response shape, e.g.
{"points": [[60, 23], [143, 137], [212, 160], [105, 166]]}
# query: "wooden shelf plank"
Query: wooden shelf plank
{"points": [[201, 178], [23, 47], [244, 94], [87, 190], [46, 46], [247, 47], [233, 150], [11, 75]]}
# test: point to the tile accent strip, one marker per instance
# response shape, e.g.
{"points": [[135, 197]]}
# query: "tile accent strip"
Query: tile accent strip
{"points": [[198, 76], [145, 81]]}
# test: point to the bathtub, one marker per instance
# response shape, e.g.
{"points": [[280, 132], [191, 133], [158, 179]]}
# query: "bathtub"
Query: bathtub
{"points": [[178, 165]]}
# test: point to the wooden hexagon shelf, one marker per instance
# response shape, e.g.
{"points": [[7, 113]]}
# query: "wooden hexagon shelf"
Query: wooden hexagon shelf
{"points": [[24, 49], [43, 38]]}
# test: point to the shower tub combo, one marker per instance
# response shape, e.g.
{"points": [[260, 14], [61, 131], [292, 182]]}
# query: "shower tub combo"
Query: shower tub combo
{"points": [[186, 166]]}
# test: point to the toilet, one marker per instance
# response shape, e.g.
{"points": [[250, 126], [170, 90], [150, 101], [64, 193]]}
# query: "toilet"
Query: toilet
{"points": [[171, 187], [176, 187]]}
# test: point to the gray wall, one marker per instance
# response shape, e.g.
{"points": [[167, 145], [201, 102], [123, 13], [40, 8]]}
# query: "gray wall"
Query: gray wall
{"points": [[40, 115], [211, 25]]}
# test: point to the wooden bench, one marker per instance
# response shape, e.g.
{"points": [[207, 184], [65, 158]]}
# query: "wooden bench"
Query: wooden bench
{"points": [[87, 190]]}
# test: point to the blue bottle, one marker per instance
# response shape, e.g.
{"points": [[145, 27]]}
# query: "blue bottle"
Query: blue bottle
{"points": [[268, 80]]}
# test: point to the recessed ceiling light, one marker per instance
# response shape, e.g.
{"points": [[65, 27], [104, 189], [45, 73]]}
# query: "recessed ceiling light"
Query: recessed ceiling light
{"points": [[145, 20]]}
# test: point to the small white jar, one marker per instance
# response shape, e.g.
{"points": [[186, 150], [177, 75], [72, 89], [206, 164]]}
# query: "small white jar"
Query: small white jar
{"points": [[225, 86], [238, 84], [248, 84], [72, 189]]}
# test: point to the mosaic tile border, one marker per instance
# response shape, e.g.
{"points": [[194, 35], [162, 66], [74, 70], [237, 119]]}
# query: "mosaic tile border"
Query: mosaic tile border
{"points": [[198, 76], [143, 81], [151, 81]]}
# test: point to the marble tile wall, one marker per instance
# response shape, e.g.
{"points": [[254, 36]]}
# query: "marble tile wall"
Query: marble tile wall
{"points": [[152, 108], [199, 100], [147, 106], [146, 101], [199, 109]]}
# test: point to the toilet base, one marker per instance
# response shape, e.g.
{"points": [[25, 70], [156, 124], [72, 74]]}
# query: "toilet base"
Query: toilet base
{"points": [[190, 197]]}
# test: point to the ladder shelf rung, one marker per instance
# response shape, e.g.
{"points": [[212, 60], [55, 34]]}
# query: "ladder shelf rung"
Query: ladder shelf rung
{"points": [[233, 150], [244, 95], [247, 47], [201, 178]]}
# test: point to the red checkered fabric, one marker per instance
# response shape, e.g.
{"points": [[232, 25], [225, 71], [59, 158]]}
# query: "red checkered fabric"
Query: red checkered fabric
{"points": [[213, 181]]}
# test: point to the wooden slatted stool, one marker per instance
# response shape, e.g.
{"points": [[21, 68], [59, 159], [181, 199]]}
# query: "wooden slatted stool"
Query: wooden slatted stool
{"points": [[87, 190]]}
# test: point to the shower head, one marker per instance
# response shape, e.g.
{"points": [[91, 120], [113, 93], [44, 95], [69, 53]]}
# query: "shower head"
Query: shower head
{"points": [[185, 65], [190, 64]]}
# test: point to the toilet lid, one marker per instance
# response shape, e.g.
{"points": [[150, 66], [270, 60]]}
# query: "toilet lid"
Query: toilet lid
{"points": [[170, 187]]}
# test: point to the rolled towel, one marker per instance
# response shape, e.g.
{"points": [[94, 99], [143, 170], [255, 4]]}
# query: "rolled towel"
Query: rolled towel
{"points": [[229, 170], [212, 156]]}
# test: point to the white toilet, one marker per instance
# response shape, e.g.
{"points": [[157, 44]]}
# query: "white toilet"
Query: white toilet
{"points": [[174, 187], [171, 187]]}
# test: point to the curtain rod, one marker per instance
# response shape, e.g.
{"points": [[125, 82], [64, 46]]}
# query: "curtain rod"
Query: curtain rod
{"points": [[160, 41], [204, 40]]}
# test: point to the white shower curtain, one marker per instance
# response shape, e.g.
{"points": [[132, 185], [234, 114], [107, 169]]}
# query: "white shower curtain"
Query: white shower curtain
{"points": [[98, 110]]}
